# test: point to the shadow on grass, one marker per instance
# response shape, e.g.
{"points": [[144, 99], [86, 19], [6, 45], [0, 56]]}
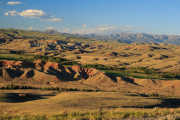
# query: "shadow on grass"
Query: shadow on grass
{"points": [[114, 76], [165, 103], [20, 97]]}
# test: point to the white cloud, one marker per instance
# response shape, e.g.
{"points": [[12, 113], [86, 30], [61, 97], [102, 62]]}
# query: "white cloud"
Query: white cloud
{"points": [[34, 13], [97, 29], [11, 13], [103, 29], [84, 25], [30, 28], [50, 28], [66, 30], [53, 19], [14, 3]]}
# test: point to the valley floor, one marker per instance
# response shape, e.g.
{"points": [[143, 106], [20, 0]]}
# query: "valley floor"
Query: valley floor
{"points": [[84, 105]]}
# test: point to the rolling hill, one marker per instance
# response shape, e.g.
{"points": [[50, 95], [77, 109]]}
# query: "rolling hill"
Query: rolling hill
{"points": [[46, 74], [60, 60]]}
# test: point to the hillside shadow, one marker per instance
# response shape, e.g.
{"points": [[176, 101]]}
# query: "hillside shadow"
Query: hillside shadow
{"points": [[114, 76], [129, 80], [20, 97], [14, 73], [165, 103], [65, 76]]}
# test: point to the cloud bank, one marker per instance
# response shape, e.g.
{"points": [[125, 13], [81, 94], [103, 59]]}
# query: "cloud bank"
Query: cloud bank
{"points": [[33, 13]]}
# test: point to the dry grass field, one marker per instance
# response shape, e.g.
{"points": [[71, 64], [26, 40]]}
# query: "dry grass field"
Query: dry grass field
{"points": [[79, 105]]}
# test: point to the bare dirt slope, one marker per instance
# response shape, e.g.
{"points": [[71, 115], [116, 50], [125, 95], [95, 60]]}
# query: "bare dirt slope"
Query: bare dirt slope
{"points": [[51, 74]]}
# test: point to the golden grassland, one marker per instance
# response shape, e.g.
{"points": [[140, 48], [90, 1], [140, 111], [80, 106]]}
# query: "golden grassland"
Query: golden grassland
{"points": [[79, 106]]}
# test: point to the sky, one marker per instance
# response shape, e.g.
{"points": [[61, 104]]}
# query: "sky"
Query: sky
{"points": [[92, 16]]}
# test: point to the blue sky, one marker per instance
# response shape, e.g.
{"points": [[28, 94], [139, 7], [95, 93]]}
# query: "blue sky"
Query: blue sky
{"points": [[89, 16]]}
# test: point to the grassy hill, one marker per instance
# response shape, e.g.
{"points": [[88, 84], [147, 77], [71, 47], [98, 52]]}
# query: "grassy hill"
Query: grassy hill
{"points": [[154, 57]]}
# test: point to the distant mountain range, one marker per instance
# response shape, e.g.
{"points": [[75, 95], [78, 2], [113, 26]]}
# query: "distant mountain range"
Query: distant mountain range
{"points": [[126, 37], [136, 38]]}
